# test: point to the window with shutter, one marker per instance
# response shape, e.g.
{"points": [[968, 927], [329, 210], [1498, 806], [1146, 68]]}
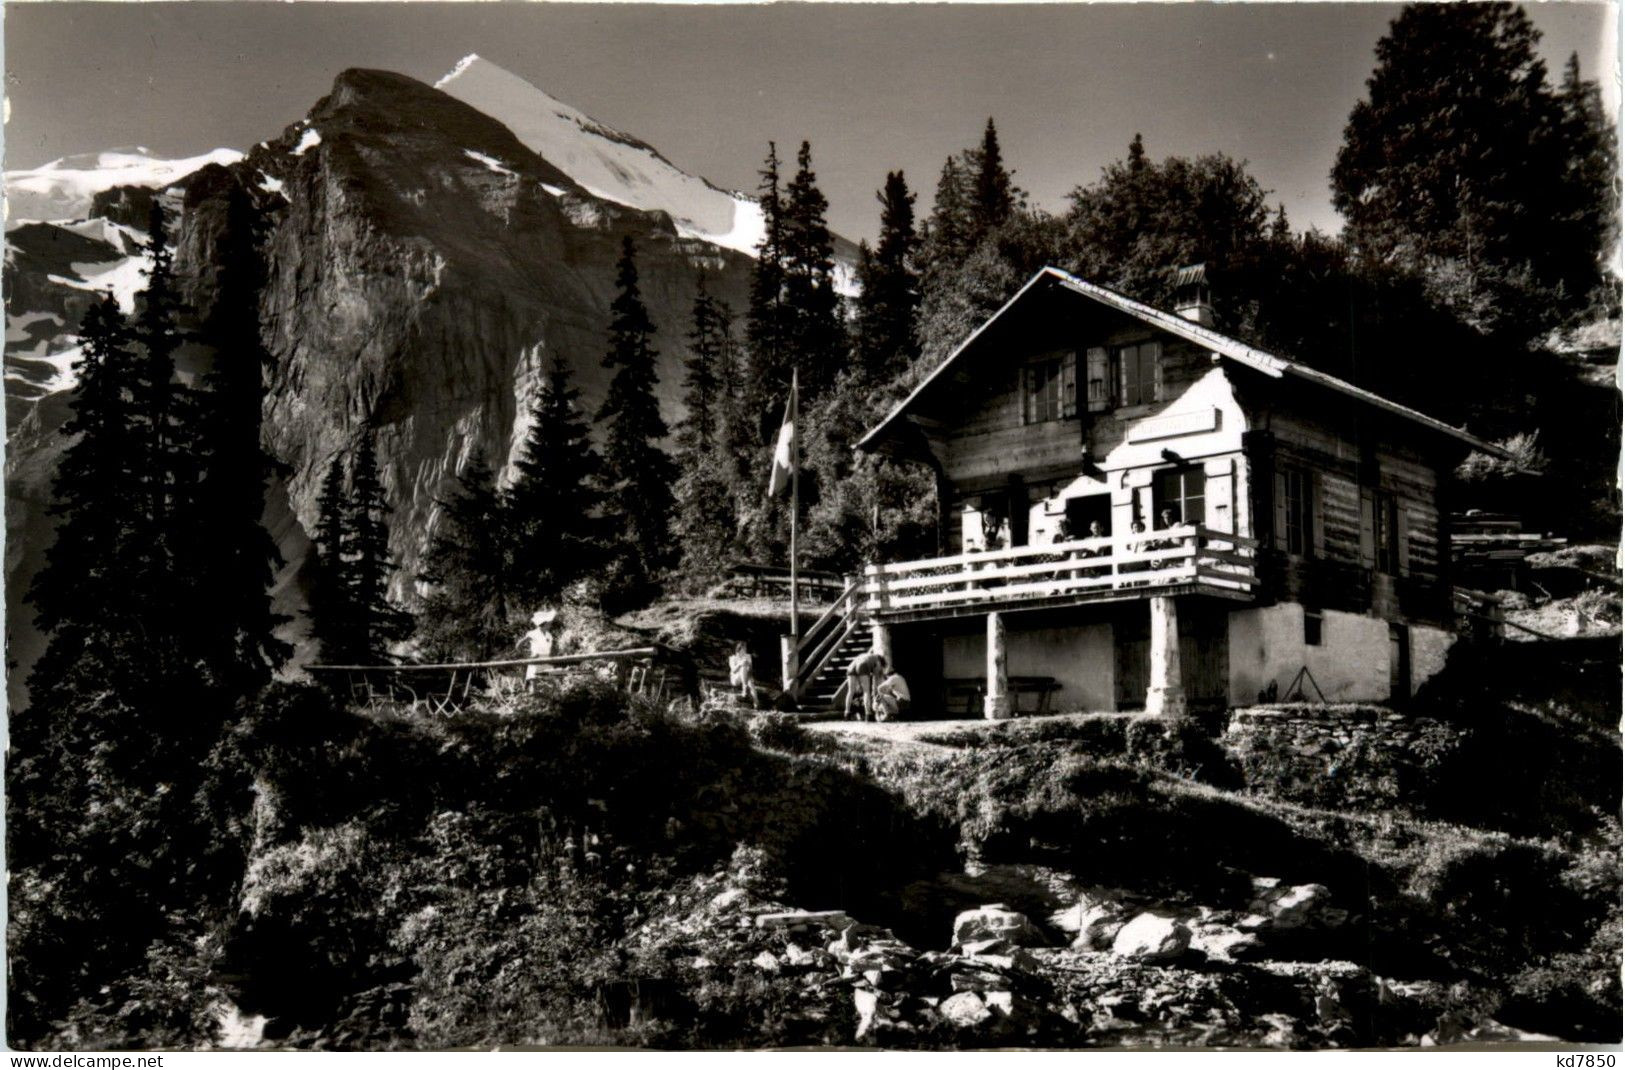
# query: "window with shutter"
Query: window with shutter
{"points": [[1297, 508], [1278, 501], [1368, 529], [1137, 373], [1049, 387], [1044, 389], [1098, 377]]}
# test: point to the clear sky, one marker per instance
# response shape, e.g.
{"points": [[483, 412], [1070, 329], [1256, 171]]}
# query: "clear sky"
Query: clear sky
{"points": [[873, 87]]}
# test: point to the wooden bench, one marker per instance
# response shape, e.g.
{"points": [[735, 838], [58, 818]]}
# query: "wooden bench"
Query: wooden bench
{"points": [[973, 689]]}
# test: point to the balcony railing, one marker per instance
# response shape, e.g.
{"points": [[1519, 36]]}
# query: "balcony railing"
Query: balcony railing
{"points": [[1178, 559]]}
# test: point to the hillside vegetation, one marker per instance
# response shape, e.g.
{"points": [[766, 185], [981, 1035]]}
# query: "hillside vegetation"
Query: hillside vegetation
{"points": [[587, 870]]}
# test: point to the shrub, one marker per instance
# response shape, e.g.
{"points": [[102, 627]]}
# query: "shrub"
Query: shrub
{"points": [[783, 733]]}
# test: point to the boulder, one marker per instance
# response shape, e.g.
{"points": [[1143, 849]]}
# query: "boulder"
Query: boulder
{"points": [[1153, 938], [986, 947], [1294, 906], [858, 934], [1092, 904], [1099, 925], [995, 921], [794, 919], [1226, 942], [729, 899], [965, 1010], [1283, 1031], [978, 980], [867, 1004]]}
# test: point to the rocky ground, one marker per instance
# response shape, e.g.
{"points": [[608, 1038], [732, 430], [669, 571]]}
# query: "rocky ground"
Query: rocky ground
{"points": [[1124, 972]]}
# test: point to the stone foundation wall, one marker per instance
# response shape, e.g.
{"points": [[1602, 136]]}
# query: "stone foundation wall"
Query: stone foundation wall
{"points": [[1341, 754]]}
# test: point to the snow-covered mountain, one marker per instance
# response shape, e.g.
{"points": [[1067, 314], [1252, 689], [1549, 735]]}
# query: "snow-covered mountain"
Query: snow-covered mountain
{"points": [[64, 189], [606, 162], [427, 253]]}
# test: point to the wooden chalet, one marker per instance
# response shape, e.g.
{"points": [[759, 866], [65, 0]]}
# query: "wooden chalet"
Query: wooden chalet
{"points": [[1141, 512]]}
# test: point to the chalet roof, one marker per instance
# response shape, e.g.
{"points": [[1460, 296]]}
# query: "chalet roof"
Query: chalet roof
{"points": [[1230, 348]]}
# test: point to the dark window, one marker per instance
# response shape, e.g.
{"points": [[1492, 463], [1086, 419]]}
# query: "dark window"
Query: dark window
{"points": [[1297, 488], [1311, 629], [1137, 373], [1182, 493], [1385, 533]]}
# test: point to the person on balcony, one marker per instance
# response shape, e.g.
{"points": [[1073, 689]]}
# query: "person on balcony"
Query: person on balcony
{"points": [[1167, 518], [862, 676], [1136, 544]]}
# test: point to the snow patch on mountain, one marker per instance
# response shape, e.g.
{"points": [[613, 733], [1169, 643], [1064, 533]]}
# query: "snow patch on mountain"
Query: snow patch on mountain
{"points": [[307, 141], [608, 163], [491, 163], [64, 188], [122, 278]]}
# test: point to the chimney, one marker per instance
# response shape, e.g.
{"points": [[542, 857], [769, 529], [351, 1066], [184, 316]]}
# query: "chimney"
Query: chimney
{"points": [[1192, 298]]}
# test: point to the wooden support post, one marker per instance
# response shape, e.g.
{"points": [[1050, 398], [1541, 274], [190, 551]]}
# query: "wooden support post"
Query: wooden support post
{"points": [[997, 703], [1166, 695], [882, 641], [789, 663]]}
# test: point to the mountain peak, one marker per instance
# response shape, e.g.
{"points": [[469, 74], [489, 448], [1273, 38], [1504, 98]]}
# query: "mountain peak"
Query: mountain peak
{"points": [[462, 65], [607, 162]]}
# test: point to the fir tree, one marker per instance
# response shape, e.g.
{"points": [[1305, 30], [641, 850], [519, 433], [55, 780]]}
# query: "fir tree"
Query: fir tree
{"points": [[637, 474], [1456, 165], [1136, 154], [993, 195], [373, 620], [702, 384], [705, 510], [83, 598], [890, 287], [465, 615], [1590, 212], [158, 397], [767, 332], [950, 233], [809, 281], [553, 502], [330, 611], [233, 555]]}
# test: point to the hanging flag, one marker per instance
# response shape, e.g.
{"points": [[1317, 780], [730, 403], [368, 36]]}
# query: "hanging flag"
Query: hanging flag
{"points": [[784, 451]]}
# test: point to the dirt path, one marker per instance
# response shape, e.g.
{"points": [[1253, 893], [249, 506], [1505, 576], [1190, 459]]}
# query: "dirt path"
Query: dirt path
{"points": [[950, 733], [895, 731]]}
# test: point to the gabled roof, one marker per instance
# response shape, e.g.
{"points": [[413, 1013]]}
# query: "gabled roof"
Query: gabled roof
{"points": [[1229, 348]]}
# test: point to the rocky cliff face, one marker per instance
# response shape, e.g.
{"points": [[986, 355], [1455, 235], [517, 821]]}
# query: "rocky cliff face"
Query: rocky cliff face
{"points": [[423, 267]]}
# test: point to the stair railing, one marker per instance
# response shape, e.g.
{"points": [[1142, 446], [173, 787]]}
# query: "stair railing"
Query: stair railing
{"points": [[824, 638]]}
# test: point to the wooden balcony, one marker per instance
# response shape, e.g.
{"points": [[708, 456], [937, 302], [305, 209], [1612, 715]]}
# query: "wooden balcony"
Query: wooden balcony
{"points": [[1189, 559]]}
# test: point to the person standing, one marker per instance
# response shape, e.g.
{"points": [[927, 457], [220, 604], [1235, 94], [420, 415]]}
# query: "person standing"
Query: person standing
{"points": [[862, 675], [742, 674], [540, 641]]}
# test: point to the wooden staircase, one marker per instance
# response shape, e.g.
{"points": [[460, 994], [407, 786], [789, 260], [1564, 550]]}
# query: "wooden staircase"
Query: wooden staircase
{"points": [[827, 647]]}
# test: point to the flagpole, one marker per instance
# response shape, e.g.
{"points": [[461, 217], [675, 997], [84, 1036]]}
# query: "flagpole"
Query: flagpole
{"points": [[795, 504]]}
